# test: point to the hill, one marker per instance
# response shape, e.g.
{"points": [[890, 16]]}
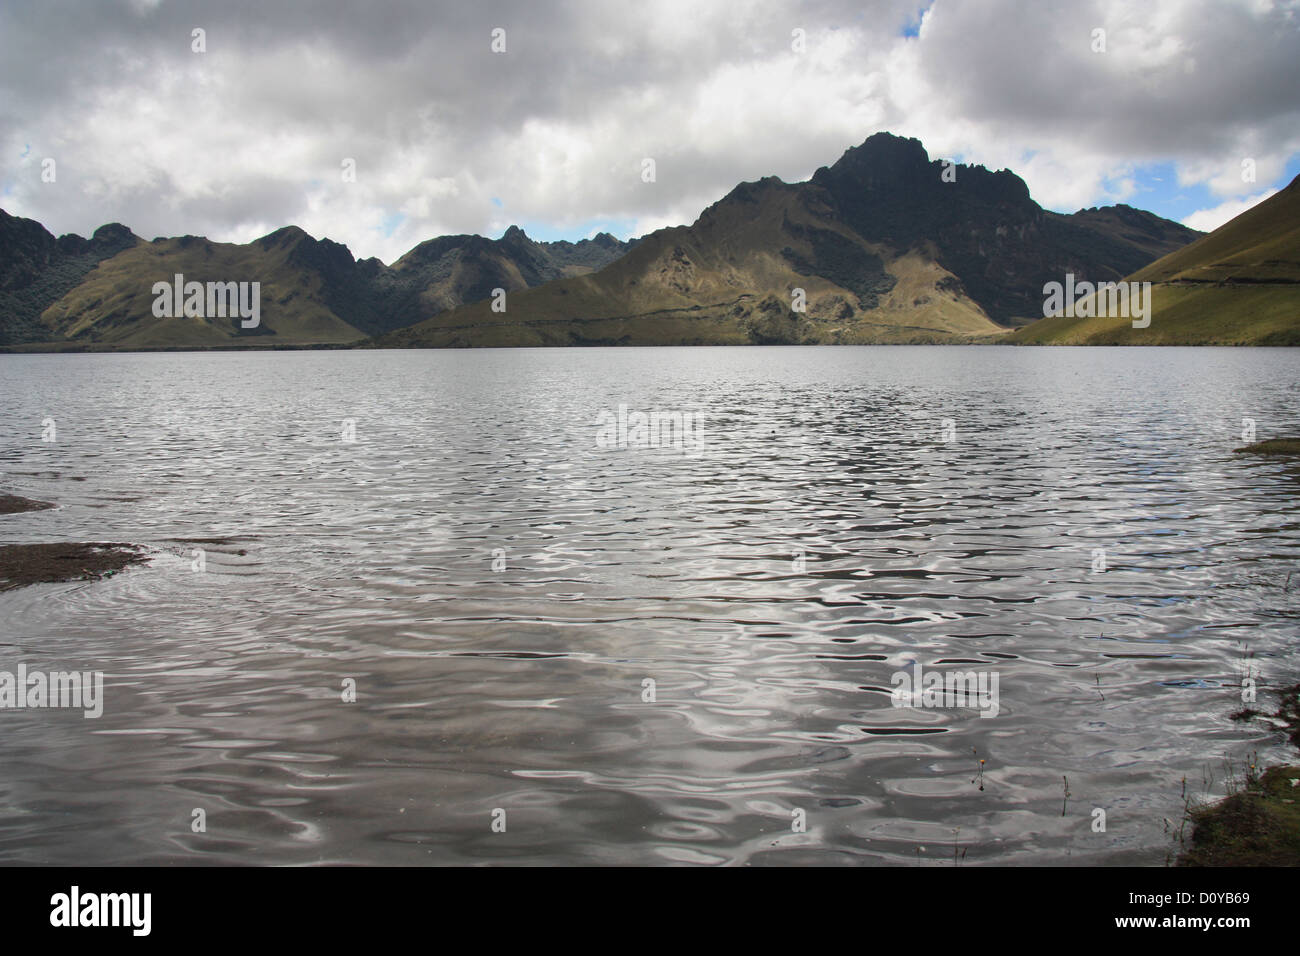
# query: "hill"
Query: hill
{"points": [[1239, 285], [36, 270], [98, 294]]}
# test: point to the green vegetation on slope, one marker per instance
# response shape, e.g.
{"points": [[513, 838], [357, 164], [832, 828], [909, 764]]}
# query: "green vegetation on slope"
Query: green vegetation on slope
{"points": [[312, 292], [36, 270], [1240, 285], [114, 308]]}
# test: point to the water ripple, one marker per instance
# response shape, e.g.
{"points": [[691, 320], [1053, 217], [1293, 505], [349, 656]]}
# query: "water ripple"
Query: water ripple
{"points": [[568, 653]]}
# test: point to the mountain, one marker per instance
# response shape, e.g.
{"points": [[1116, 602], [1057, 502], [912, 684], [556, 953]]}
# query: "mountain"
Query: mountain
{"points": [[887, 246], [98, 294], [443, 273], [36, 270], [1239, 285]]}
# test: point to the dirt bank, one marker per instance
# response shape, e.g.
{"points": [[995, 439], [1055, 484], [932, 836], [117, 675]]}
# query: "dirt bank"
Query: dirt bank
{"points": [[13, 504], [23, 564]]}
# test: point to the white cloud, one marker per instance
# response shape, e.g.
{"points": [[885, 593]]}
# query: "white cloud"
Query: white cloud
{"points": [[1207, 220], [250, 135]]}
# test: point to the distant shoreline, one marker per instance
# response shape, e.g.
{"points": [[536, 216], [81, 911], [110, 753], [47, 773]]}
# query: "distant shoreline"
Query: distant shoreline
{"points": [[48, 349]]}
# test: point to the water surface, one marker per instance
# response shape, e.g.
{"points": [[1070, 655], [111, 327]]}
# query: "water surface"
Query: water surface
{"points": [[500, 586]]}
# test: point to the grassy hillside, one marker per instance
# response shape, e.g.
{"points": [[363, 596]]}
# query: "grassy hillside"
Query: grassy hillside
{"points": [[1239, 285], [113, 308], [36, 270], [313, 292]]}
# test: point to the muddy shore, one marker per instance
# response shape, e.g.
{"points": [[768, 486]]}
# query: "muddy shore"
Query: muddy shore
{"points": [[23, 564], [15, 504]]}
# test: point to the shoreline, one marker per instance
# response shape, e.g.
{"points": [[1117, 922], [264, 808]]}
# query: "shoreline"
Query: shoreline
{"points": [[1258, 822], [365, 346]]}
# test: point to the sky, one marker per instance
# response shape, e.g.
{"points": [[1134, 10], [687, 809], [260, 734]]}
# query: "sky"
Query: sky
{"points": [[1190, 109]]}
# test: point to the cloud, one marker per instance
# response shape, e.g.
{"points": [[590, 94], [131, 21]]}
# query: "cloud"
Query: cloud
{"points": [[451, 137], [1207, 220]]}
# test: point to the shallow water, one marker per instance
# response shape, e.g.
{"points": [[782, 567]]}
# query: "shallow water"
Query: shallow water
{"points": [[771, 582]]}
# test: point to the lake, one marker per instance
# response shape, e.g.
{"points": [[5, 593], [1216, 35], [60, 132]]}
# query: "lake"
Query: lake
{"points": [[646, 606]]}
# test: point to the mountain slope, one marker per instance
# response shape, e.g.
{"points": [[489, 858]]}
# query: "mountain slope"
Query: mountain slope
{"points": [[312, 290], [1239, 285], [36, 270], [985, 227], [884, 248], [114, 306], [443, 273]]}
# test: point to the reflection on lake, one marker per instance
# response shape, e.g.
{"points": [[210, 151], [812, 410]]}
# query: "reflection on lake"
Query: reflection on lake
{"points": [[643, 652]]}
